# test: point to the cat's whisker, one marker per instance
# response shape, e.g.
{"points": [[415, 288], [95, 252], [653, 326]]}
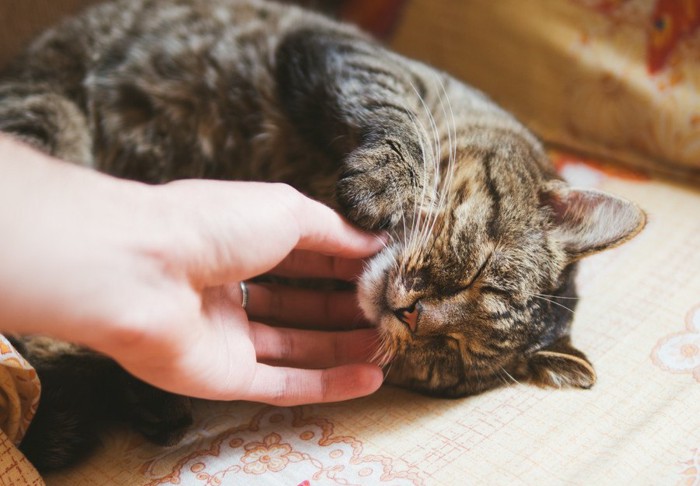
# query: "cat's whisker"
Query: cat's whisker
{"points": [[452, 134], [403, 217], [417, 204], [555, 303], [510, 376], [420, 236], [453, 144], [443, 189], [429, 222], [442, 185], [384, 352], [420, 130], [398, 196], [387, 369], [392, 255], [556, 296], [502, 378]]}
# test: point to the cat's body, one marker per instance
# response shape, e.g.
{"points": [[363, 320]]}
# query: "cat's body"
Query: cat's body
{"points": [[474, 287]]}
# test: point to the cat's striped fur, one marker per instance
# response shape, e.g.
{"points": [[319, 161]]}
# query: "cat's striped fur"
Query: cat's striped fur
{"points": [[475, 288]]}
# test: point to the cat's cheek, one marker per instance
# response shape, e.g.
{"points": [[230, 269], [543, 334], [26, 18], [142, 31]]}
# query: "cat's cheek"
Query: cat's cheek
{"points": [[372, 284]]}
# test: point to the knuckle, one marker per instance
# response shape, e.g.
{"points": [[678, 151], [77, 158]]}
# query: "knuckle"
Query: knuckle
{"points": [[286, 193], [338, 347], [284, 392], [325, 386], [277, 308], [287, 346]]}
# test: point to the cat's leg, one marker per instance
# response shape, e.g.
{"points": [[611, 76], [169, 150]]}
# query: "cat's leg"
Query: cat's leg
{"points": [[74, 391], [160, 416], [81, 391], [351, 98], [49, 121]]}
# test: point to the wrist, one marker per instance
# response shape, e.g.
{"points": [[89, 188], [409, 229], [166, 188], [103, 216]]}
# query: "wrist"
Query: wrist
{"points": [[79, 247]]}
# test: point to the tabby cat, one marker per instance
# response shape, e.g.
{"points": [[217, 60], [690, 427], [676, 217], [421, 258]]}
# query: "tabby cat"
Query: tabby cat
{"points": [[475, 287]]}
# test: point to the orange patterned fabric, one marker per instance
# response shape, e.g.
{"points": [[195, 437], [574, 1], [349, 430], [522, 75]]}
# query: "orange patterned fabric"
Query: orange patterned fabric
{"points": [[19, 392], [15, 469], [19, 397]]}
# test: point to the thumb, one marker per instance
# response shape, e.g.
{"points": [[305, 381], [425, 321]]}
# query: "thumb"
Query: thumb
{"points": [[230, 231]]}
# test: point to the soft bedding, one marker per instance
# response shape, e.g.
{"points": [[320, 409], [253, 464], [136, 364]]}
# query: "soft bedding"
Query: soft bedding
{"points": [[638, 318]]}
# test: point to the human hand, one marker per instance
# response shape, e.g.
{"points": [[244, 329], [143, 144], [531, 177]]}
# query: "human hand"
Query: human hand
{"points": [[149, 276], [230, 232]]}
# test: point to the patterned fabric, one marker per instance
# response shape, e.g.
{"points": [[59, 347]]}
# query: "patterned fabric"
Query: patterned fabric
{"points": [[614, 78], [15, 469], [638, 320], [19, 392], [19, 397], [680, 352]]}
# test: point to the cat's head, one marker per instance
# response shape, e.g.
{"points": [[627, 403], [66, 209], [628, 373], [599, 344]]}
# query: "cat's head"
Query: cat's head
{"points": [[480, 291]]}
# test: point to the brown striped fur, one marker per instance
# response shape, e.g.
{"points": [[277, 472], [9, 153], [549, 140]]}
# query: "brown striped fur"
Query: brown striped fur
{"points": [[476, 287]]}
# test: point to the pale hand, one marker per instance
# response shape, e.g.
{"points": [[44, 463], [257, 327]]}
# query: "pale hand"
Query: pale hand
{"points": [[150, 276]]}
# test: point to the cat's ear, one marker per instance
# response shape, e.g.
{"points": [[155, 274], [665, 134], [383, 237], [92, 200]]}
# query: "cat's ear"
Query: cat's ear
{"points": [[561, 365], [587, 221]]}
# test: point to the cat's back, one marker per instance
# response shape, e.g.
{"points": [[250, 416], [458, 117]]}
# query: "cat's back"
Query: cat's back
{"points": [[158, 90], [179, 32]]}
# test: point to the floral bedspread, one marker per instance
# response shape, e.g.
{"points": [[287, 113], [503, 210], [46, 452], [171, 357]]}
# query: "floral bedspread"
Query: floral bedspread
{"points": [[638, 320]]}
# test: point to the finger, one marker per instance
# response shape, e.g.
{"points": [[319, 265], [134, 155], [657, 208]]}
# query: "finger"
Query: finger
{"points": [[311, 349], [304, 308], [290, 386], [301, 263], [324, 231], [237, 230]]}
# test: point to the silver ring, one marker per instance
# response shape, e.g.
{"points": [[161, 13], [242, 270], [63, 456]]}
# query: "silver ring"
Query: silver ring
{"points": [[244, 295]]}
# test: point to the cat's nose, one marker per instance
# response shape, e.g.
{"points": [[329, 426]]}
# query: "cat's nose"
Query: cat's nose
{"points": [[409, 315]]}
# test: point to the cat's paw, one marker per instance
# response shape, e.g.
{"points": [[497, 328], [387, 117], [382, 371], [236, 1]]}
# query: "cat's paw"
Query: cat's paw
{"points": [[65, 427], [160, 416], [379, 185]]}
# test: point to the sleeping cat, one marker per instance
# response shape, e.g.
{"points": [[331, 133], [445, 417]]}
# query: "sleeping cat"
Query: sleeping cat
{"points": [[474, 289]]}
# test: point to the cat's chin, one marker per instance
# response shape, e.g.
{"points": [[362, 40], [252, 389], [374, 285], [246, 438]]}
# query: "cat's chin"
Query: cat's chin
{"points": [[371, 293]]}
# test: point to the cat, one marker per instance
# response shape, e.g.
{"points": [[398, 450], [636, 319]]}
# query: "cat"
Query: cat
{"points": [[475, 288]]}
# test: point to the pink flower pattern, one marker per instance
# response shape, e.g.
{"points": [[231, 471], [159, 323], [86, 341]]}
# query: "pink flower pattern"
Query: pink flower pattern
{"points": [[680, 352], [290, 442], [690, 476], [268, 455]]}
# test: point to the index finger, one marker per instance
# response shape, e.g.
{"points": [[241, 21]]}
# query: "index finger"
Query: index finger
{"points": [[293, 386], [303, 263], [324, 231]]}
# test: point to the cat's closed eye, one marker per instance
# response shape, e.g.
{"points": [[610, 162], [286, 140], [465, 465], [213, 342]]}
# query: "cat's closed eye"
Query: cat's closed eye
{"points": [[476, 276]]}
